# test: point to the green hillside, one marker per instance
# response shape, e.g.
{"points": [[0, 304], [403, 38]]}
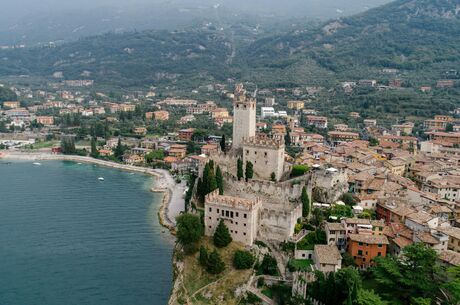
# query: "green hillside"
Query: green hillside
{"points": [[420, 38]]}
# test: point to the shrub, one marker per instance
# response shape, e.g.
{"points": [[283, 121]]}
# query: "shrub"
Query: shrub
{"points": [[299, 170], [243, 259]]}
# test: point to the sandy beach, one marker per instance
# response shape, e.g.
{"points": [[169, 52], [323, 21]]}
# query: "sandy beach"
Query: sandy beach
{"points": [[172, 202]]}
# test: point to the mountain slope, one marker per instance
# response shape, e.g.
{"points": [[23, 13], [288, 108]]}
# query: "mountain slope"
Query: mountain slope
{"points": [[416, 36], [421, 38]]}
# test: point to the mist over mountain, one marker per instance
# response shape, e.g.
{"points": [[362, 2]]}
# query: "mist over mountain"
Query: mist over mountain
{"points": [[37, 22]]}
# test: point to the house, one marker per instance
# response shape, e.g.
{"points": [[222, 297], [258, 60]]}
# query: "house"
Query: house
{"points": [[317, 121], [140, 131], [186, 134], [396, 166], [266, 112], [178, 153], [445, 83], [337, 137], [296, 105], [454, 238], [421, 221], [219, 113], [45, 120], [336, 235], [327, 258], [161, 115], [11, 104], [357, 225], [364, 248], [209, 149]]}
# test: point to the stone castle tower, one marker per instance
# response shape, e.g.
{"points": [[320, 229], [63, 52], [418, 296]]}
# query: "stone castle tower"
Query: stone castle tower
{"points": [[244, 117]]}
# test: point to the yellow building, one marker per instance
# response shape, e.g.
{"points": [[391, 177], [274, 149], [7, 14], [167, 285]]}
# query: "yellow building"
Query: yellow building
{"points": [[12, 105], [297, 105]]}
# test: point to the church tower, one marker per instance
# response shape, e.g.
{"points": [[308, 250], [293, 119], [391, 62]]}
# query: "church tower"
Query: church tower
{"points": [[244, 117]]}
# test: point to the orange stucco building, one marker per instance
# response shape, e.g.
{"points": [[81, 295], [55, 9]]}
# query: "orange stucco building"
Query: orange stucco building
{"points": [[365, 247]]}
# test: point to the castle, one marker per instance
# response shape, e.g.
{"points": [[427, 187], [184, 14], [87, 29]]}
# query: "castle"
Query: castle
{"points": [[263, 207]]}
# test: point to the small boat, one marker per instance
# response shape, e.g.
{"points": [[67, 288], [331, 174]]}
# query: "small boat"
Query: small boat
{"points": [[101, 179], [79, 163], [37, 163]]}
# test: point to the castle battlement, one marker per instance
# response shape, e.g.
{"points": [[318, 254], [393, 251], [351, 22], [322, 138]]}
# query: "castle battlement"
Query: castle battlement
{"points": [[230, 201], [264, 142]]}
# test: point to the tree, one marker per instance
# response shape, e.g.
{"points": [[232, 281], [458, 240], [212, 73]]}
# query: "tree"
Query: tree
{"points": [[222, 236], [209, 179], [287, 138], [305, 202], [240, 172], [204, 256], [68, 145], [273, 177], [268, 266], [219, 180], [189, 229], [243, 259], [348, 199], [215, 263], [249, 170], [119, 150], [200, 190], [413, 275], [223, 145], [94, 152], [369, 297], [449, 127]]}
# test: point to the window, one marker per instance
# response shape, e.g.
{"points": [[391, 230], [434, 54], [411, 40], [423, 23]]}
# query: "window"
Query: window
{"points": [[227, 213], [237, 214], [236, 232], [217, 211], [231, 214], [379, 254], [244, 224], [265, 154], [360, 252], [210, 227], [210, 209], [245, 215], [209, 218], [360, 243], [244, 233], [379, 245]]}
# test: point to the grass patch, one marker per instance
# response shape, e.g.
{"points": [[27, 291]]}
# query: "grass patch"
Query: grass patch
{"points": [[299, 264]]}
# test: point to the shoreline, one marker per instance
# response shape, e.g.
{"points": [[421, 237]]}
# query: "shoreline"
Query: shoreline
{"points": [[164, 182]]}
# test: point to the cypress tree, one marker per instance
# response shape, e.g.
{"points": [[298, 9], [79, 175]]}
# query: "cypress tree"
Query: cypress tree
{"points": [[94, 152], [204, 256], [305, 202], [222, 236], [215, 263], [249, 170], [240, 172], [219, 180], [206, 179], [199, 190], [223, 146]]}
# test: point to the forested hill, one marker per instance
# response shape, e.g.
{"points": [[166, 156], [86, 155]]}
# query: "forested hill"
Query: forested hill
{"points": [[421, 38]]}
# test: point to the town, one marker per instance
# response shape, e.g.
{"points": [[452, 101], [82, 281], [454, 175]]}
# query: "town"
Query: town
{"points": [[292, 194]]}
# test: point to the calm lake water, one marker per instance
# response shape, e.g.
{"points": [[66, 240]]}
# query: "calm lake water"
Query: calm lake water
{"points": [[67, 238]]}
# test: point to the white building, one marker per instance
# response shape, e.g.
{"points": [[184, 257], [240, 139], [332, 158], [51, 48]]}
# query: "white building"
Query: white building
{"points": [[241, 216], [266, 112]]}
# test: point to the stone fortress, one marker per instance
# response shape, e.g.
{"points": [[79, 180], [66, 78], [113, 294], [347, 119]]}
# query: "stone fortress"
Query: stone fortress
{"points": [[259, 208]]}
